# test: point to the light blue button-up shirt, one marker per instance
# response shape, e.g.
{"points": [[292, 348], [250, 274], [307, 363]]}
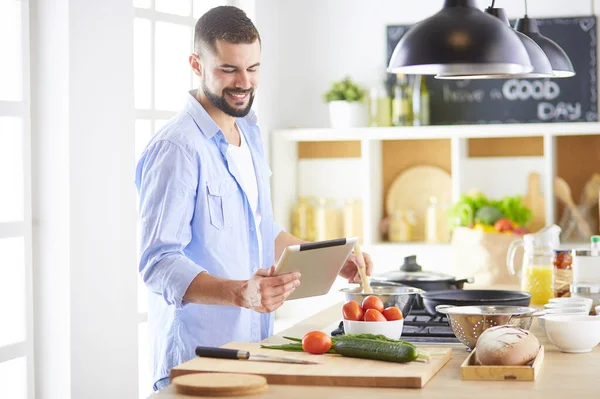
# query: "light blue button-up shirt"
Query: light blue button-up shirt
{"points": [[195, 217]]}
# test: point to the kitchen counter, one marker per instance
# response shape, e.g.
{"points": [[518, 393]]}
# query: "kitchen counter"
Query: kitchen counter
{"points": [[563, 376]]}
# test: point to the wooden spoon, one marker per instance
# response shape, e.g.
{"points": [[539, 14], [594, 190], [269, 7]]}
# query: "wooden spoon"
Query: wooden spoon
{"points": [[589, 197], [563, 192], [361, 270]]}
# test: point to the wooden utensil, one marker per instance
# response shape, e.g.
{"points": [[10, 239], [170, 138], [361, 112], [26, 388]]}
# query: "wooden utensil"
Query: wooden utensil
{"points": [[534, 200], [563, 192], [335, 370], [219, 384], [361, 270], [591, 191]]}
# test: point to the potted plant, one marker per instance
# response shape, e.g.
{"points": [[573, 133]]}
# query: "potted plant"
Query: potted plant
{"points": [[346, 106]]}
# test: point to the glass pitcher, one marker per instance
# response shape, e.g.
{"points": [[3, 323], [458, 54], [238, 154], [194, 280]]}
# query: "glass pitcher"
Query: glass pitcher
{"points": [[536, 270]]}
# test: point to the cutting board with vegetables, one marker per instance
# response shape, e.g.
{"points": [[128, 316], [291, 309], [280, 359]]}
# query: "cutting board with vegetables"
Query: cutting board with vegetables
{"points": [[333, 370]]}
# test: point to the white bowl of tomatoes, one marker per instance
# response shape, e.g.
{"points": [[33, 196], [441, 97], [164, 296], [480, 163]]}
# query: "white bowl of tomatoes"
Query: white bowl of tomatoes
{"points": [[370, 317]]}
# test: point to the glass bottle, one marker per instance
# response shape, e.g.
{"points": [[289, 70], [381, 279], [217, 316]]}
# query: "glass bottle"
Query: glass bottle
{"points": [[333, 220], [420, 102], [320, 217], [432, 233], [401, 226], [563, 273], [380, 107], [402, 102]]}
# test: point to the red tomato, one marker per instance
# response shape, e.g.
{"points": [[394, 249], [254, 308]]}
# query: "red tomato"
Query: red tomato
{"points": [[392, 313], [374, 315], [372, 302], [316, 342], [352, 311]]}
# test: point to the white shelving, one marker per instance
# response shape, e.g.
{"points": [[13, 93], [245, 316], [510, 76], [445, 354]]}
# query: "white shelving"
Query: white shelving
{"points": [[441, 132], [285, 160]]}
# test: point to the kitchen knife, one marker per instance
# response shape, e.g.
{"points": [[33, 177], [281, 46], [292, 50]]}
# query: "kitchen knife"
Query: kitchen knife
{"points": [[221, 353]]}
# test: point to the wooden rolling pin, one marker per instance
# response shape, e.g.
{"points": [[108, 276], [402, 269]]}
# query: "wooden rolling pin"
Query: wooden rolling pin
{"points": [[361, 270]]}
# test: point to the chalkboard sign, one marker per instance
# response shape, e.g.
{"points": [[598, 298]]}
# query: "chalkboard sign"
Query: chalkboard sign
{"points": [[520, 100]]}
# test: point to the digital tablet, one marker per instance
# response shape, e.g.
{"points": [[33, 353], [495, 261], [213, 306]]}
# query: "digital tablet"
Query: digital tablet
{"points": [[318, 262]]}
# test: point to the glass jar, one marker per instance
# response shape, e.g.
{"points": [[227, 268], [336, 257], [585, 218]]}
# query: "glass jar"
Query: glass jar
{"points": [[352, 219], [538, 274], [563, 273], [301, 217], [401, 226]]}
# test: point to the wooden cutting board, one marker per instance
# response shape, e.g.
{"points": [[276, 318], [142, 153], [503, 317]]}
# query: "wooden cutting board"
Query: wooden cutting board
{"points": [[334, 370]]}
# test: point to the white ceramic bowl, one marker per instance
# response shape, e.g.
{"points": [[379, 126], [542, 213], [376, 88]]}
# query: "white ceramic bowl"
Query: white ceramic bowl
{"points": [[573, 334], [581, 311], [570, 301], [578, 306], [391, 329]]}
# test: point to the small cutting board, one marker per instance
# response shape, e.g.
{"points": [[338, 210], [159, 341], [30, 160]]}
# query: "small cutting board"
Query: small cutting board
{"points": [[334, 370], [219, 384]]}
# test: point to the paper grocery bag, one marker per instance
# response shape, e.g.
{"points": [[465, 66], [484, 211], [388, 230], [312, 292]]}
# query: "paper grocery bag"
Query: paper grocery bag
{"points": [[483, 256]]}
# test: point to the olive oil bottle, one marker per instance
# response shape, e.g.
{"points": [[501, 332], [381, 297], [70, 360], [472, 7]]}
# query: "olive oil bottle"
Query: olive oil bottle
{"points": [[402, 112], [420, 102]]}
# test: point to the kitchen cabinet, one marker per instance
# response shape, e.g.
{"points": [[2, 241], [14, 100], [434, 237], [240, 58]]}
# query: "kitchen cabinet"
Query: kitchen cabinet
{"points": [[569, 150]]}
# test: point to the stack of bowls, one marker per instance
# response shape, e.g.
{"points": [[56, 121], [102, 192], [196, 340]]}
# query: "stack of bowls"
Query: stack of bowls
{"points": [[566, 307]]}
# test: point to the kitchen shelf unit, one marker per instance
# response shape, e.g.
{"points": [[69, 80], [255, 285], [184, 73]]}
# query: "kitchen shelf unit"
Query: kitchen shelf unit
{"points": [[284, 158]]}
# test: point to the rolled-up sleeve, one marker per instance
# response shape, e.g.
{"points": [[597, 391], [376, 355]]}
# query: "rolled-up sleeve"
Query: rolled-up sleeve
{"points": [[167, 180]]}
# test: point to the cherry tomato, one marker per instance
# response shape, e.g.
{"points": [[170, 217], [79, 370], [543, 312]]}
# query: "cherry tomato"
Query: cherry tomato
{"points": [[374, 315], [316, 342], [392, 313], [372, 302], [352, 311]]}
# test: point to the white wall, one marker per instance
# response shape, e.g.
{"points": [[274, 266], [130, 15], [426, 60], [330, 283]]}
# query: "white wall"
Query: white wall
{"points": [[318, 41], [84, 199]]}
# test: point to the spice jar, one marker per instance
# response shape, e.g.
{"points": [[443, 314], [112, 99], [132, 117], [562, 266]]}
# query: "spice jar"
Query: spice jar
{"points": [[563, 273]]}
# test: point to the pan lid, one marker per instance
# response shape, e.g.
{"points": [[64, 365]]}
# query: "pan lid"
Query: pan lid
{"points": [[412, 271]]}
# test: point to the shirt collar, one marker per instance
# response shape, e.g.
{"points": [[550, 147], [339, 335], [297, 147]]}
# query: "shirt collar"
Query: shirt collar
{"points": [[206, 124], [203, 120]]}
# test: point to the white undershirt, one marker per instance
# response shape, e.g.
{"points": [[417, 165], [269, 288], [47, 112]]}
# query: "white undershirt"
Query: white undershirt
{"points": [[243, 159]]}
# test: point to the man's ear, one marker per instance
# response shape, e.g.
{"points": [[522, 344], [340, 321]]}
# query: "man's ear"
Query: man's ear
{"points": [[195, 64]]}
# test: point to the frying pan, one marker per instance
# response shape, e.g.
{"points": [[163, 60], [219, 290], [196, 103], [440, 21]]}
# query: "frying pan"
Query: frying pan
{"points": [[473, 298]]}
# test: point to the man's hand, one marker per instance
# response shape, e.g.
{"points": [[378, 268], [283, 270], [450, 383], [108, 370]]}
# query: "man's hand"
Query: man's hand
{"points": [[350, 270], [265, 293]]}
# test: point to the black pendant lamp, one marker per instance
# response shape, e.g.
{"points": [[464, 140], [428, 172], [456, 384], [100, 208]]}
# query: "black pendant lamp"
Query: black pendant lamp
{"points": [[460, 39], [541, 65], [561, 64]]}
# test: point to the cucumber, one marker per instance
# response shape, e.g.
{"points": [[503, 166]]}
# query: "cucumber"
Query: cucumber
{"points": [[376, 350], [378, 337]]}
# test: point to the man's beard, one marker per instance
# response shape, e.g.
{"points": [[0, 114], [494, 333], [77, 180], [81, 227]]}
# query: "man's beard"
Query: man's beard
{"points": [[221, 103]]}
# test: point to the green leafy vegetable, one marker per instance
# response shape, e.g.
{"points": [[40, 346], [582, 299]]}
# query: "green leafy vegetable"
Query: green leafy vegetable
{"points": [[463, 212]]}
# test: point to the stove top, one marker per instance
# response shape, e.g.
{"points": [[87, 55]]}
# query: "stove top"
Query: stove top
{"points": [[420, 327]]}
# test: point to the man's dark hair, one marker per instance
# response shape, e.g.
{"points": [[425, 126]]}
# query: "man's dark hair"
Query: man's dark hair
{"points": [[226, 23]]}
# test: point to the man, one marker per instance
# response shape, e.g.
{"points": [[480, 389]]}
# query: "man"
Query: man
{"points": [[208, 239]]}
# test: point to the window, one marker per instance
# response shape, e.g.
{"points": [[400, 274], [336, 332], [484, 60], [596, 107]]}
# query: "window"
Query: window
{"points": [[16, 343], [163, 40]]}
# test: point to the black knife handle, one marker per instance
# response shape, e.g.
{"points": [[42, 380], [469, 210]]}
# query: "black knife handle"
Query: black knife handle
{"points": [[221, 353]]}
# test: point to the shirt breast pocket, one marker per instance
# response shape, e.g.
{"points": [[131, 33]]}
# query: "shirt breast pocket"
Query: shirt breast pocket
{"points": [[220, 196]]}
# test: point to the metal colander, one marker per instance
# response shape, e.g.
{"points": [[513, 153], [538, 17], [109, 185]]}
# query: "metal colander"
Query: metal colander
{"points": [[468, 322]]}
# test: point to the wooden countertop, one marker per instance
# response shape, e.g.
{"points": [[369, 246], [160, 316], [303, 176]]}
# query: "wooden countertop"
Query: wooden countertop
{"points": [[563, 375]]}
